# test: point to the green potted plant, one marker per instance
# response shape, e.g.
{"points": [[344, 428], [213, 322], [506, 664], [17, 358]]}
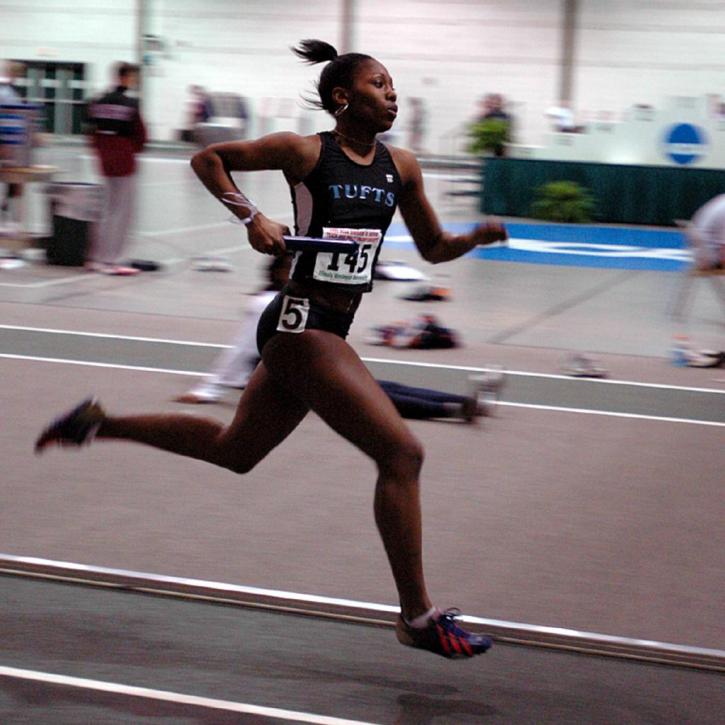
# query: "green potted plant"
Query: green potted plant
{"points": [[488, 136], [563, 201]]}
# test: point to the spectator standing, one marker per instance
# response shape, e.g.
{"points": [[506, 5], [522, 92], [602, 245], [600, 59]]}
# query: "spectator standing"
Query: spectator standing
{"points": [[709, 225], [198, 110], [9, 92], [416, 124], [117, 134], [492, 109], [562, 118], [235, 365], [10, 95]]}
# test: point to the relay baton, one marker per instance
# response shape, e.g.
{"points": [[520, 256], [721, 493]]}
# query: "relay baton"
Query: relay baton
{"points": [[315, 244]]}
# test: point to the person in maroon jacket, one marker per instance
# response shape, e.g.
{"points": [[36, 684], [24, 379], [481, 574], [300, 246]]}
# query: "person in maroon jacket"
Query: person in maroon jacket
{"points": [[117, 134]]}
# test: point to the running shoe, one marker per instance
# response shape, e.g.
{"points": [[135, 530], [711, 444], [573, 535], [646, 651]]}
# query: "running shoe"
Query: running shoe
{"points": [[73, 428], [204, 392], [443, 637], [706, 359], [469, 409], [583, 366], [486, 389], [120, 270]]}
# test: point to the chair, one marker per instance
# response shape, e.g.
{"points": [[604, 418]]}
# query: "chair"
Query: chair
{"points": [[696, 245]]}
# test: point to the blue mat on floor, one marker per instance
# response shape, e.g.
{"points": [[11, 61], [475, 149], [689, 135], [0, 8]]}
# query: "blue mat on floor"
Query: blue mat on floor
{"points": [[577, 246]]}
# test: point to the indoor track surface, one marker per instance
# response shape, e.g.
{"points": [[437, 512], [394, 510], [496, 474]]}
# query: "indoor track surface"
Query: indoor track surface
{"points": [[584, 513]]}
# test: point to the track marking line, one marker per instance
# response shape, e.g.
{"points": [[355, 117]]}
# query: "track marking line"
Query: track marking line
{"points": [[388, 361], [534, 406], [548, 376], [174, 697], [115, 366], [111, 337], [591, 411]]}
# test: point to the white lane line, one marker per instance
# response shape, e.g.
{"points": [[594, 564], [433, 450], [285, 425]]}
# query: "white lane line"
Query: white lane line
{"points": [[387, 361], [115, 366], [590, 411], [548, 376], [101, 335], [533, 406], [174, 697]]}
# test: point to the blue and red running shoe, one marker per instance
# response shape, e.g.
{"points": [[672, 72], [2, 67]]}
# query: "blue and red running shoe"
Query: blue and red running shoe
{"points": [[74, 428], [443, 637]]}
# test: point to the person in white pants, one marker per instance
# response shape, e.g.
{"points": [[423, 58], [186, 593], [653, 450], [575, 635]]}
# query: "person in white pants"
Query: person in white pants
{"points": [[117, 133], [235, 364], [709, 224]]}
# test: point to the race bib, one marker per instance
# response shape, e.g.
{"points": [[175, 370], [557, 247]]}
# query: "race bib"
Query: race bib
{"points": [[348, 268], [293, 315]]}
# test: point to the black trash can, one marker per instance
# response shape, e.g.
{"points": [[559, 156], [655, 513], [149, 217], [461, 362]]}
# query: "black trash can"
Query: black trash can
{"points": [[74, 207]]}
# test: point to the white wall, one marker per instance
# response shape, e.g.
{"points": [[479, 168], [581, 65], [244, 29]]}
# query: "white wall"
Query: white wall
{"points": [[448, 51], [452, 53], [228, 45], [631, 52]]}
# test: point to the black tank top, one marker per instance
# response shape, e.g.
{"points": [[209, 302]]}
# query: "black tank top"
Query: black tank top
{"points": [[344, 195]]}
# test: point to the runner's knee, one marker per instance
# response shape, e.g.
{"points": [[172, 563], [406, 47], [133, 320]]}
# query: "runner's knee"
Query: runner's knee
{"points": [[240, 465], [230, 457], [404, 460]]}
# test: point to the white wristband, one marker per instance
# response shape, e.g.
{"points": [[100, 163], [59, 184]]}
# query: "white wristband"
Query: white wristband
{"points": [[247, 219], [234, 198]]}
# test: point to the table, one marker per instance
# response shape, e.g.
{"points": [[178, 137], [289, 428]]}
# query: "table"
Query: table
{"points": [[16, 238]]}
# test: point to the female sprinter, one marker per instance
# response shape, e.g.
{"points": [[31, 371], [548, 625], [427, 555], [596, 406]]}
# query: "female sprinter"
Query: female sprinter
{"points": [[344, 184]]}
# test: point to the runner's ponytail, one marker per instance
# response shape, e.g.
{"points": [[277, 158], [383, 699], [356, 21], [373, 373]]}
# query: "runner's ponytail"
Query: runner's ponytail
{"points": [[339, 71], [315, 51]]}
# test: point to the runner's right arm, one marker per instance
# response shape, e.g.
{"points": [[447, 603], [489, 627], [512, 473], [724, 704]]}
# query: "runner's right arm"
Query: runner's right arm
{"points": [[292, 154]]}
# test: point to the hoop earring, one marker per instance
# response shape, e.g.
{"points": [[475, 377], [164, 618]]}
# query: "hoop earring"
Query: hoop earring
{"points": [[340, 111]]}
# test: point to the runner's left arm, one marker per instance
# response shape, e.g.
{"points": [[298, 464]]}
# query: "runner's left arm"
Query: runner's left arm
{"points": [[433, 242]]}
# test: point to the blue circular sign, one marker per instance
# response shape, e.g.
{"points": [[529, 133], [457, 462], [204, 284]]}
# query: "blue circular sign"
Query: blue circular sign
{"points": [[685, 143]]}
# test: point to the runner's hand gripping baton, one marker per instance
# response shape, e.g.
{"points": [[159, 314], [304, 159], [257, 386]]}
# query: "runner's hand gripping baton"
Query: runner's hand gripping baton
{"points": [[293, 243]]}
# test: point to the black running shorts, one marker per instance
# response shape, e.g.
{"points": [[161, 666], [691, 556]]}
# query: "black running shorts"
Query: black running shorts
{"points": [[290, 314]]}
